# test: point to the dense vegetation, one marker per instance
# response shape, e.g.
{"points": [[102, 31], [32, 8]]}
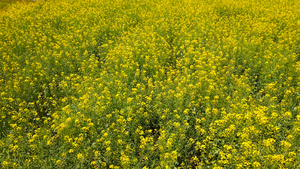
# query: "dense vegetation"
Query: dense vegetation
{"points": [[150, 84]]}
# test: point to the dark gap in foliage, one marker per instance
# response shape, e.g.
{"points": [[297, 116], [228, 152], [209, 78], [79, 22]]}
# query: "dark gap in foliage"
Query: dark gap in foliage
{"points": [[255, 80], [99, 52], [298, 54]]}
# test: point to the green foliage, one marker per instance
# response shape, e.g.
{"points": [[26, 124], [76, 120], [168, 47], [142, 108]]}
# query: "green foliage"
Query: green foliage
{"points": [[150, 84]]}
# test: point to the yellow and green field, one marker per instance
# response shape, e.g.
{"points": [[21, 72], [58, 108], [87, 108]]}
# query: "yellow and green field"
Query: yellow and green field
{"points": [[150, 84]]}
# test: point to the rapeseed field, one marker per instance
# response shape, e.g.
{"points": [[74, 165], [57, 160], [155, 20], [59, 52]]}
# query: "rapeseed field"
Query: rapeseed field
{"points": [[150, 84]]}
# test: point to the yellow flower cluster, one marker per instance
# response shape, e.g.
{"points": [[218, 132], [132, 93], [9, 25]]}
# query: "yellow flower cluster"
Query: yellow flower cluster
{"points": [[150, 84]]}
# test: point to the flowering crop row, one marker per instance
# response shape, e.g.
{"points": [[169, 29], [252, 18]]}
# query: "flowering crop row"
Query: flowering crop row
{"points": [[150, 84]]}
